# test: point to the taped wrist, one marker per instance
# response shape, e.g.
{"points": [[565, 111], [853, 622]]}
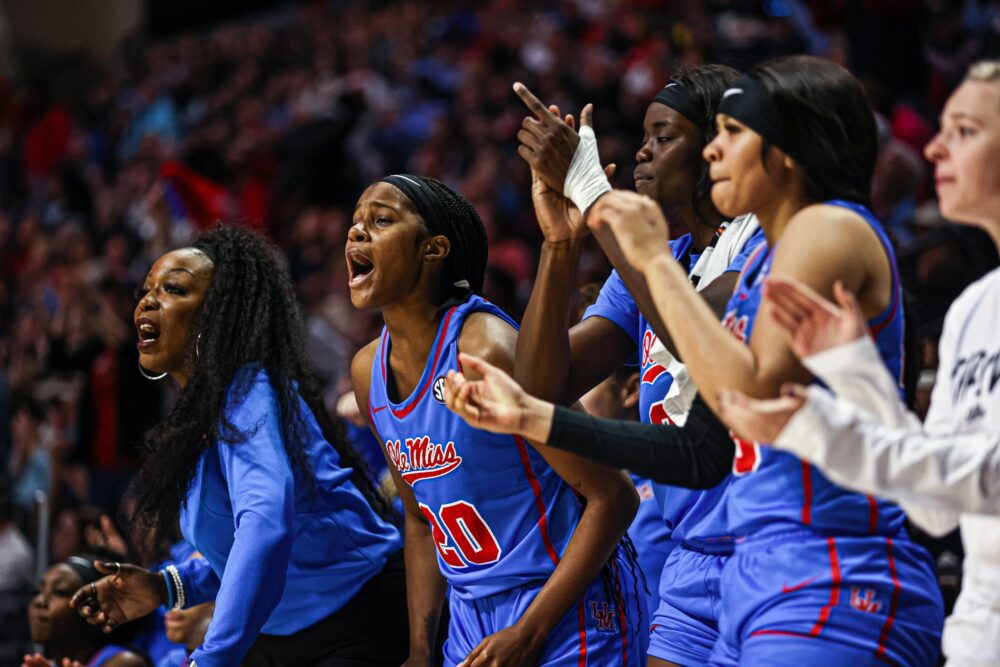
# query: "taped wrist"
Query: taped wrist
{"points": [[585, 178]]}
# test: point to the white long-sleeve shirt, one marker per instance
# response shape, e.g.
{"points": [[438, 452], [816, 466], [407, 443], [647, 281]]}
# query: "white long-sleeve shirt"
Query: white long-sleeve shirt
{"points": [[886, 460]]}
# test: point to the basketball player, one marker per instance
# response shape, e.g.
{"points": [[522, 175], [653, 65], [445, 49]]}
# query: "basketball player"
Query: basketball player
{"points": [[670, 170], [951, 463], [819, 575], [535, 571]]}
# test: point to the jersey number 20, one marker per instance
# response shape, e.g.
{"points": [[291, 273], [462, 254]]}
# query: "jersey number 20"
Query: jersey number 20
{"points": [[461, 525]]}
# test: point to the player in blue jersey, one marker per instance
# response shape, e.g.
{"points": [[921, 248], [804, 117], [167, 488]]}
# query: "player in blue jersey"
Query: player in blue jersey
{"points": [[671, 171], [526, 539], [820, 575], [298, 558]]}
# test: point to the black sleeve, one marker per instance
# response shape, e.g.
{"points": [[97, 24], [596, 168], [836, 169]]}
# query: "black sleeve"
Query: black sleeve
{"points": [[697, 455]]}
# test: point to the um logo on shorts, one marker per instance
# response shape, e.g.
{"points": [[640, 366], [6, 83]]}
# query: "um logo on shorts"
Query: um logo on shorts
{"points": [[604, 615], [865, 602]]}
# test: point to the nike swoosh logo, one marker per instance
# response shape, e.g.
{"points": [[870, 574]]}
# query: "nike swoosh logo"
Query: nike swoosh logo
{"points": [[785, 588], [732, 91], [379, 409]]}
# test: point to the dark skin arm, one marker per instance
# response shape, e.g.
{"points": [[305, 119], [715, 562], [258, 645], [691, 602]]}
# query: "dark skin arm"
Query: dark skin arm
{"points": [[610, 507], [549, 364], [425, 585]]}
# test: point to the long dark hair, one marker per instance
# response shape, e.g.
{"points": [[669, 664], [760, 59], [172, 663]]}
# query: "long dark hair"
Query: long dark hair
{"points": [[249, 319], [825, 114]]}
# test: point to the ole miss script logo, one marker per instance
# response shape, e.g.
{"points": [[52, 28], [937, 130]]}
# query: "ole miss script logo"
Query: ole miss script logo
{"points": [[654, 370], [422, 459]]}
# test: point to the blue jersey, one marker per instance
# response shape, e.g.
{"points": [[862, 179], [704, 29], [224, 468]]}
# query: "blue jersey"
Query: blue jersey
{"points": [[773, 490], [696, 517], [500, 516]]}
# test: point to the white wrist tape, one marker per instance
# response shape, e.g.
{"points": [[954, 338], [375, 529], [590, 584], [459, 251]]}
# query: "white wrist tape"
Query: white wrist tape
{"points": [[585, 179]]}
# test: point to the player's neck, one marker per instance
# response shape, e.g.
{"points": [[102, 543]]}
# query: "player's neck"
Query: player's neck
{"points": [[702, 222], [412, 324], [775, 215]]}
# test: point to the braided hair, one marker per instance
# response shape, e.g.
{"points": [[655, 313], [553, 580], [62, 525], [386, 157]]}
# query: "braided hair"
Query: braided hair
{"points": [[469, 247], [250, 318]]}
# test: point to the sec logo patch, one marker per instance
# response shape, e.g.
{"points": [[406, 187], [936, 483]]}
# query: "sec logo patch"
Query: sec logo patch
{"points": [[439, 390]]}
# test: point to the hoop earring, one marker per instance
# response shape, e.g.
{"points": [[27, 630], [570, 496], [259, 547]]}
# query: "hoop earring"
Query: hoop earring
{"points": [[152, 378]]}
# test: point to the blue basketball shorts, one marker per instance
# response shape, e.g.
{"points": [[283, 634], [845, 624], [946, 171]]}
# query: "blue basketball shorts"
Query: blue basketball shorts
{"points": [[685, 624], [798, 598], [598, 630]]}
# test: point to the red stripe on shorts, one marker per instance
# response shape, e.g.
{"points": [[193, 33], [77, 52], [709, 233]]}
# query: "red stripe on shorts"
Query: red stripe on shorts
{"points": [[621, 611], [872, 514], [582, 625], [824, 613], [893, 604]]}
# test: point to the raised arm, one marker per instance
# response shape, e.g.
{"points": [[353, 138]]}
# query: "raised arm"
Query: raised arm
{"points": [[611, 503], [550, 362], [425, 585]]}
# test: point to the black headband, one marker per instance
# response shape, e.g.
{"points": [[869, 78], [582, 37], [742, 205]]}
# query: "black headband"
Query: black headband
{"points": [[748, 101], [209, 249], [677, 96], [434, 213], [84, 568]]}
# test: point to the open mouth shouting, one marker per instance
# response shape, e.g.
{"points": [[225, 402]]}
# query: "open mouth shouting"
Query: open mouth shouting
{"points": [[360, 267], [149, 333]]}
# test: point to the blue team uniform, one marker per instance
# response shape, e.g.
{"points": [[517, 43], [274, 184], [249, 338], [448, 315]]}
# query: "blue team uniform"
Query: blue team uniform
{"points": [[501, 518], [685, 622], [279, 554], [820, 574]]}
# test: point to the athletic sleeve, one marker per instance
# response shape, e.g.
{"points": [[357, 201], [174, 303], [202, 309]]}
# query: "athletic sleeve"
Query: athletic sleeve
{"points": [[697, 455], [926, 473], [199, 580], [261, 490], [616, 304]]}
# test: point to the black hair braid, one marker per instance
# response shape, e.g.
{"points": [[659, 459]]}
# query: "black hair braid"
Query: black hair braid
{"points": [[611, 579], [249, 320], [469, 246]]}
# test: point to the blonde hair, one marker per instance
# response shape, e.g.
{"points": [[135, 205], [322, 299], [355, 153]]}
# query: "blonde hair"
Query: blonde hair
{"points": [[984, 70]]}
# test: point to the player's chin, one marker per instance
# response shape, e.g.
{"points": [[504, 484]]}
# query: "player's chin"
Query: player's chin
{"points": [[365, 298], [725, 200]]}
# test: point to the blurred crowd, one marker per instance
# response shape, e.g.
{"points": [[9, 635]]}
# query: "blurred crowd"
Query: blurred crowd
{"points": [[280, 120]]}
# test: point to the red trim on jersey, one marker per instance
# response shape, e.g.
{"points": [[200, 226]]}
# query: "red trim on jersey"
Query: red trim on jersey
{"points": [[872, 514], [543, 525], [621, 611], [824, 613], [381, 356], [430, 378], [807, 493], [893, 604], [581, 623]]}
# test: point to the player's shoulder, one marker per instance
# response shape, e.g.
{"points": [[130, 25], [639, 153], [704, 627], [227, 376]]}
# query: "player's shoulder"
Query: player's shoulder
{"points": [[489, 336], [820, 223]]}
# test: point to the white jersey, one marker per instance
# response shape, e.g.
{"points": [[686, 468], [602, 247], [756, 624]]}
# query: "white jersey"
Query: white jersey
{"points": [[712, 263], [965, 407]]}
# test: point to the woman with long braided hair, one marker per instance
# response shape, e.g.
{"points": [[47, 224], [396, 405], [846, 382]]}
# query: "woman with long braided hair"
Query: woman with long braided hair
{"points": [[527, 537], [298, 553]]}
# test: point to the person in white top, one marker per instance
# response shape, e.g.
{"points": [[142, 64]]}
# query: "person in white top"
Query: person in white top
{"points": [[945, 472]]}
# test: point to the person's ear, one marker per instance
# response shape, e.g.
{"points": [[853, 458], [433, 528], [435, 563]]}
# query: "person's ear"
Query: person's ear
{"points": [[629, 391], [436, 248]]}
